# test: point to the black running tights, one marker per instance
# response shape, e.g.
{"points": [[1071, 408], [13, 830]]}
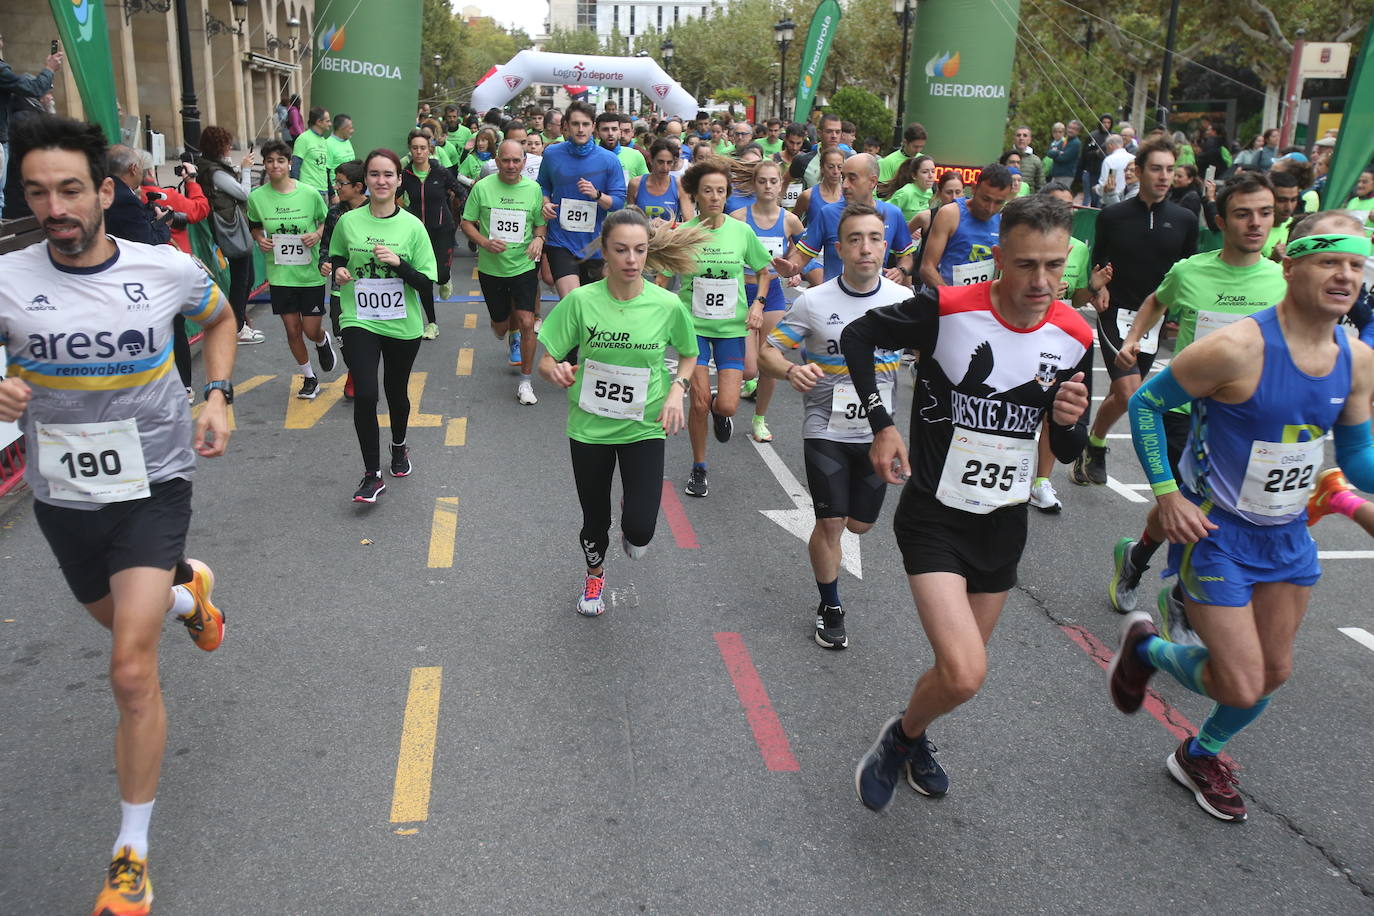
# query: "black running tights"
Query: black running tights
{"points": [[641, 485], [240, 285], [363, 350]]}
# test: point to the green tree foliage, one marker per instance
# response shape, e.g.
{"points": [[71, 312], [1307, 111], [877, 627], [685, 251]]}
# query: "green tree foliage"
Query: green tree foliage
{"points": [[467, 50], [866, 110]]}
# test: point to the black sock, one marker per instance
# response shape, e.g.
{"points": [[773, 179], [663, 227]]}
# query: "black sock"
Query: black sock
{"points": [[1143, 550], [901, 735]]}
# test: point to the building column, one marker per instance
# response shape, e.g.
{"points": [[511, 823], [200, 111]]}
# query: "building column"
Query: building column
{"points": [[239, 73], [130, 67], [209, 110], [175, 135]]}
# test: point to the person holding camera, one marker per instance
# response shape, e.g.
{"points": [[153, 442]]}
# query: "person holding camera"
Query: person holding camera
{"points": [[13, 88], [130, 217], [186, 202]]}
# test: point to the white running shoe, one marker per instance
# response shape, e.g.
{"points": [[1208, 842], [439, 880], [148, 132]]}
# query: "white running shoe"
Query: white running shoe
{"points": [[1043, 497], [524, 393], [249, 335]]}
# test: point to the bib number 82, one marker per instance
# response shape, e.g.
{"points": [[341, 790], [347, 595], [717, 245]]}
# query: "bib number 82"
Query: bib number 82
{"points": [[614, 391], [1286, 480], [714, 300], [989, 475], [91, 464]]}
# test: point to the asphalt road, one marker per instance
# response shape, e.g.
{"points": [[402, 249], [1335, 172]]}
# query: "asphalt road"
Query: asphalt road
{"points": [[400, 722]]}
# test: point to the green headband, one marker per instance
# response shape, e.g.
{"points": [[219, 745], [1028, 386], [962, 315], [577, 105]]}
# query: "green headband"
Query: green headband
{"points": [[1343, 244]]}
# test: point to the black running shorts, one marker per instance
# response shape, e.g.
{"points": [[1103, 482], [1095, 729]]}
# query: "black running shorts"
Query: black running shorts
{"points": [[1109, 342], [984, 549], [306, 301], [563, 263], [842, 481], [92, 546], [503, 294]]}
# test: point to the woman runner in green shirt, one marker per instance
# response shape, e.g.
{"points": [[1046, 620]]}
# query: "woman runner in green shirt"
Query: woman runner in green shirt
{"points": [[605, 344], [384, 267], [724, 316], [287, 219], [911, 189]]}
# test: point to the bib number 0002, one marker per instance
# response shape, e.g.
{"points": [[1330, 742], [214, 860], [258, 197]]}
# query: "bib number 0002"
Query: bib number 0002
{"points": [[380, 300]]}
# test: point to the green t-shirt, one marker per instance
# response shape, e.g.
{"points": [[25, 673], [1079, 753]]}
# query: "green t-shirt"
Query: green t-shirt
{"points": [[1363, 203], [313, 151], [337, 152], [1077, 273], [770, 147], [733, 246], [300, 211], [1277, 236], [910, 199], [1185, 155], [1204, 293], [889, 164], [355, 235], [619, 345], [526, 202], [632, 163], [446, 154]]}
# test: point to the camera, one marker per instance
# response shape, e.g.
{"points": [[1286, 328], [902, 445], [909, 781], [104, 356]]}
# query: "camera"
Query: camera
{"points": [[180, 170], [154, 196]]}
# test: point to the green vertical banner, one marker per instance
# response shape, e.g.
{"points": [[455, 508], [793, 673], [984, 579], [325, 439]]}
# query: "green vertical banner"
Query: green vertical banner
{"points": [[86, 41], [817, 48], [1355, 142], [960, 77], [367, 66]]}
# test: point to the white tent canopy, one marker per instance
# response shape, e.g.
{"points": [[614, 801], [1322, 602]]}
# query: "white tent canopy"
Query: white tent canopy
{"points": [[642, 73]]}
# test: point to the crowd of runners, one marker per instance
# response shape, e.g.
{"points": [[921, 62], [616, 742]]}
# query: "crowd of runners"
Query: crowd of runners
{"points": [[690, 267]]}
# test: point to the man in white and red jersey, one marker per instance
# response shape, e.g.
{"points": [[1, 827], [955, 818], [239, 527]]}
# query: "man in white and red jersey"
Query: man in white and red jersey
{"points": [[995, 359]]}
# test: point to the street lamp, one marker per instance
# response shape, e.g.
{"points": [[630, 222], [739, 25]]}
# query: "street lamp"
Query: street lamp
{"points": [[666, 49], [438, 61], [902, 10], [782, 34]]}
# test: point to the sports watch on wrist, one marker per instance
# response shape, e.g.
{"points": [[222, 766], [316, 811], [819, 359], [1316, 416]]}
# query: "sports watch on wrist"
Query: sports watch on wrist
{"points": [[224, 387]]}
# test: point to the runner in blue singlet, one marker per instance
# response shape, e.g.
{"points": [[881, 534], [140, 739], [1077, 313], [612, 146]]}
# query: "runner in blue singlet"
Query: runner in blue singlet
{"points": [[658, 193], [1264, 392], [958, 249]]}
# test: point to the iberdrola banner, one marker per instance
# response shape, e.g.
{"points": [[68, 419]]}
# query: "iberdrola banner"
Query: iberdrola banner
{"points": [[817, 48], [1355, 143], [960, 74], [367, 66], [81, 26]]}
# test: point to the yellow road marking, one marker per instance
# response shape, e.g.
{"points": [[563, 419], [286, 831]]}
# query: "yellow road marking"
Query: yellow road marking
{"points": [[465, 361], [457, 432], [474, 273], [415, 764], [305, 414], [416, 391], [443, 531], [242, 389], [470, 321], [474, 292]]}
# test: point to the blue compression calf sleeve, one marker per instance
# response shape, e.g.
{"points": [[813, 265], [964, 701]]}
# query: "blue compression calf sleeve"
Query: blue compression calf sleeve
{"points": [[1146, 412], [1355, 453], [1224, 723]]}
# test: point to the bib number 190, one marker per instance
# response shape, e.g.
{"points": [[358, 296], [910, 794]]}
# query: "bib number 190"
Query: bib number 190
{"points": [[90, 464]]}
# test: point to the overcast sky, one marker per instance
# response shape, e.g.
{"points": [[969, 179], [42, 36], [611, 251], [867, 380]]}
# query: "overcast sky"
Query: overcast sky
{"points": [[525, 14]]}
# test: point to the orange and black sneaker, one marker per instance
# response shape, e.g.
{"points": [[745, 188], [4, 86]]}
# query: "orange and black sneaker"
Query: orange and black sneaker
{"points": [[1329, 483], [128, 890], [206, 622]]}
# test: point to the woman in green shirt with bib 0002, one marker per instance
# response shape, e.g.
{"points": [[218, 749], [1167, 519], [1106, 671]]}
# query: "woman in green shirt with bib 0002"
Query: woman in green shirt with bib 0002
{"points": [[714, 292], [384, 268], [287, 219], [605, 344]]}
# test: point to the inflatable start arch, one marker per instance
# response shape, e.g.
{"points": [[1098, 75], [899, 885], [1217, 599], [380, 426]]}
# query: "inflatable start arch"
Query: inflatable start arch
{"points": [[642, 73]]}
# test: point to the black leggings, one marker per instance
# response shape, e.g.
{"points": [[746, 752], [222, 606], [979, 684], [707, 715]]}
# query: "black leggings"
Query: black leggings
{"points": [[240, 285], [362, 351], [641, 485], [441, 240]]}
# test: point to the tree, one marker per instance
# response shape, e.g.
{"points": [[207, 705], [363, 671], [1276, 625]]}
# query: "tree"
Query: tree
{"points": [[870, 116]]}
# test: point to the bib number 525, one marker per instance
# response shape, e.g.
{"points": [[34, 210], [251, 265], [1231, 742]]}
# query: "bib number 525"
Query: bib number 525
{"points": [[614, 391]]}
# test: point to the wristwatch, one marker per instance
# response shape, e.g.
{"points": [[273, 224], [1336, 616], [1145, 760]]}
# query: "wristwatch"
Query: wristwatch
{"points": [[762, 300], [225, 388], [686, 382]]}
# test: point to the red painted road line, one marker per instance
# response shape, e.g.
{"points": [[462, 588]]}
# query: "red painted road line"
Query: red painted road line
{"points": [[768, 733], [678, 523], [1176, 722]]}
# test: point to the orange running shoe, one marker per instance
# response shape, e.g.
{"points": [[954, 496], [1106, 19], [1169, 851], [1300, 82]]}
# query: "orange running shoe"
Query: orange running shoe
{"points": [[206, 622], [128, 890], [1329, 483]]}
